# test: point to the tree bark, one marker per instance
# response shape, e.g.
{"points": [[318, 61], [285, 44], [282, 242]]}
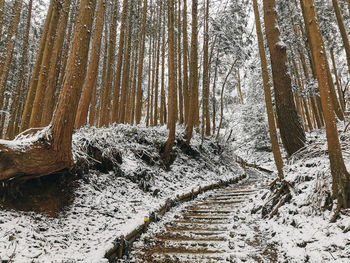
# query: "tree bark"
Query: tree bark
{"points": [[268, 98], [342, 30], [340, 93], [340, 176], [289, 122], [2, 5], [36, 71], [56, 56], [214, 92], [92, 72], [52, 150], [162, 80], [106, 96], [10, 45], [172, 84], [38, 104], [18, 93], [193, 87], [140, 65], [126, 71], [186, 91], [117, 79], [205, 100], [222, 99]]}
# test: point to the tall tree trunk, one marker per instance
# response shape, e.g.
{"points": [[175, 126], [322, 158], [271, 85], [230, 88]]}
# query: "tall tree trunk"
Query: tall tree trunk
{"points": [[104, 73], [38, 104], [134, 84], [186, 91], [52, 152], [126, 70], [179, 53], [172, 84], [106, 96], [149, 80], [214, 92], [2, 5], [268, 98], [162, 80], [117, 79], [342, 30], [193, 87], [222, 99], [10, 45], [140, 65], [92, 73], [18, 93], [205, 100], [289, 122], [54, 66], [156, 84], [340, 176], [340, 93], [153, 76], [35, 75]]}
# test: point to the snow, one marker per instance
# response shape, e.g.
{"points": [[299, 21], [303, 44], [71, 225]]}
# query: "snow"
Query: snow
{"points": [[107, 205], [301, 232]]}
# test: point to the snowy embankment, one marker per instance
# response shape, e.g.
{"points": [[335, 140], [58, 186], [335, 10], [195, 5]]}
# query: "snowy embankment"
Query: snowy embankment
{"points": [[126, 182], [301, 231]]}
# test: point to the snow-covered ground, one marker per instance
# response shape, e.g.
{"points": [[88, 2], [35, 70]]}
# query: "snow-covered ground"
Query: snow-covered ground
{"points": [[301, 231], [107, 205]]}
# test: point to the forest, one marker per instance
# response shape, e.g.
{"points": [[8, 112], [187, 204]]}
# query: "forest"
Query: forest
{"points": [[174, 131]]}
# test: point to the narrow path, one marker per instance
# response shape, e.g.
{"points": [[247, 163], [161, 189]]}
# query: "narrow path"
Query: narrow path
{"points": [[201, 230]]}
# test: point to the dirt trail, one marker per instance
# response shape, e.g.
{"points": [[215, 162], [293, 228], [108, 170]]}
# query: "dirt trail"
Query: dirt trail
{"points": [[203, 230]]}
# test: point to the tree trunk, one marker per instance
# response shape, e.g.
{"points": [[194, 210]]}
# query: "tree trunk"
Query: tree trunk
{"points": [[222, 99], [104, 73], [117, 79], [205, 100], [106, 97], [54, 66], [214, 93], [18, 93], [149, 80], [340, 176], [268, 98], [289, 122], [342, 30], [38, 104], [92, 73], [162, 80], [156, 84], [140, 65], [179, 65], [126, 71], [172, 84], [186, 91], [340, 93], [193, 87], [10, 45], [2, 5], [52, 151], [35, 76]]}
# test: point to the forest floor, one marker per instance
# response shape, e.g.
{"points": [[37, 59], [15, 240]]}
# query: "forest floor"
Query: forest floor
{"points": [[122, 180], [301, 231]]}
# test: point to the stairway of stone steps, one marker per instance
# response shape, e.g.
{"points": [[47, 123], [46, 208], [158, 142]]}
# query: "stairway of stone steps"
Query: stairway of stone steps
{"points": [[198, 231]]}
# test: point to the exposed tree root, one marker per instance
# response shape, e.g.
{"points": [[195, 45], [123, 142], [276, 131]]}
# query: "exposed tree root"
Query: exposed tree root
{"points": [[21, 160], [281, 195]]}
